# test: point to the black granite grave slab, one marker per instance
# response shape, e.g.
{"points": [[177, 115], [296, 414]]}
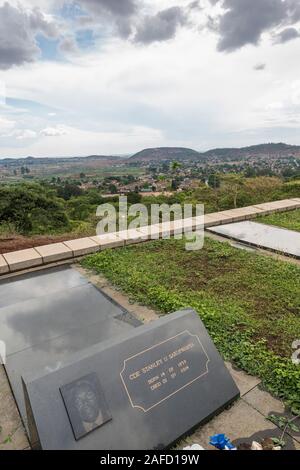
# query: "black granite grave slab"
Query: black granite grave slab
{"points": [[49, 355], [48, 316], [157, 382], [40, 319], [39, 284]]}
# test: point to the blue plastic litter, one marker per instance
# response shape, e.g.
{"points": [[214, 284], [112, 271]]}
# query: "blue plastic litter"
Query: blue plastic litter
{"points": [[221, 442]]}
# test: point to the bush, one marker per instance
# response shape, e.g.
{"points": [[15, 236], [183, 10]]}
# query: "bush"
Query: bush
{"points": [[31, 208]]}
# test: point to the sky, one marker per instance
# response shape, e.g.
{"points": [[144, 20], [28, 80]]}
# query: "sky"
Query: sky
{"points": [[112, 77]]}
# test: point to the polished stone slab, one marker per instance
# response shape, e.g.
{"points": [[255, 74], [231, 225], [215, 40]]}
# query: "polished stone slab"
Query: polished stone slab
{"points": [[37, 320], [47, 316], [49, 355], [263, 236], [38, 284], [158, 382]]}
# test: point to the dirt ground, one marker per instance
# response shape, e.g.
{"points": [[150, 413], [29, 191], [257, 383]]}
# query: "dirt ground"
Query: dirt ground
{"points": [[18, 242]]}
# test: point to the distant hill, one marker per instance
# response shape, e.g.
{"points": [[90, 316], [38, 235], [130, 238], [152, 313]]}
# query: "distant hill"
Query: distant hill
{"points": [[58, 160], [165, 153], [179, 153], [262, 149]]}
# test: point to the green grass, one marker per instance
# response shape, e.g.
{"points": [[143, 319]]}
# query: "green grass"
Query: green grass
{"points": [[290, 220], [249, 303]]}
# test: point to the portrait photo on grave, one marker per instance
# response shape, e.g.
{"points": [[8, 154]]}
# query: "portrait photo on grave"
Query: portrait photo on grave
{"points": [[86, 405]]}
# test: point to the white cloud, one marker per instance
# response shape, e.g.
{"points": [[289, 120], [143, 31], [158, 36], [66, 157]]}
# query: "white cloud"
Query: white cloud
{"points": [[121, 97], [6, 125], [25, 134], [53, 131], [71, 143]]}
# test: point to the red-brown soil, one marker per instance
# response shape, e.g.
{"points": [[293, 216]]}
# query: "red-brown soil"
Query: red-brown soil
{"points": [[18, 242]]}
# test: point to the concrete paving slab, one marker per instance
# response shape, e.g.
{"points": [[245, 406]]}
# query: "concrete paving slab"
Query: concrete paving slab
{"points": [[153, 232], [278, 206], [244, 382], [54, 252], [286, 203], [108, 240], [199, 222], [211, 220], [244, 213], [190, 223], [12, 433], [180, 227], [23, 259], [3, 266], [263, 402], [241, 423], [132, 236], [279, 240], [167, 229], [82, 246], [237, 216]]}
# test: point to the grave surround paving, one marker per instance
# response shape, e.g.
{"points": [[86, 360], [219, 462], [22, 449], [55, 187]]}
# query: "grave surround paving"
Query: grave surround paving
{"points": [[82, 246], [3, 265], [23, 259], [54, 252], [110, 240]]}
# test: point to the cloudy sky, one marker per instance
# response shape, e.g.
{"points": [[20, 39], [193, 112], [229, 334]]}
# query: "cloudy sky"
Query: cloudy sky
{"points": [[115, 76]]}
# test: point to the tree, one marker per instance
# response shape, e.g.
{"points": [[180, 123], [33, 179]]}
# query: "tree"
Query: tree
{"points": [[134, 198], [32, 208], [233, 183], [69, 190], [113, 189], [175, 166], [174, 185], [213, 181]]}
